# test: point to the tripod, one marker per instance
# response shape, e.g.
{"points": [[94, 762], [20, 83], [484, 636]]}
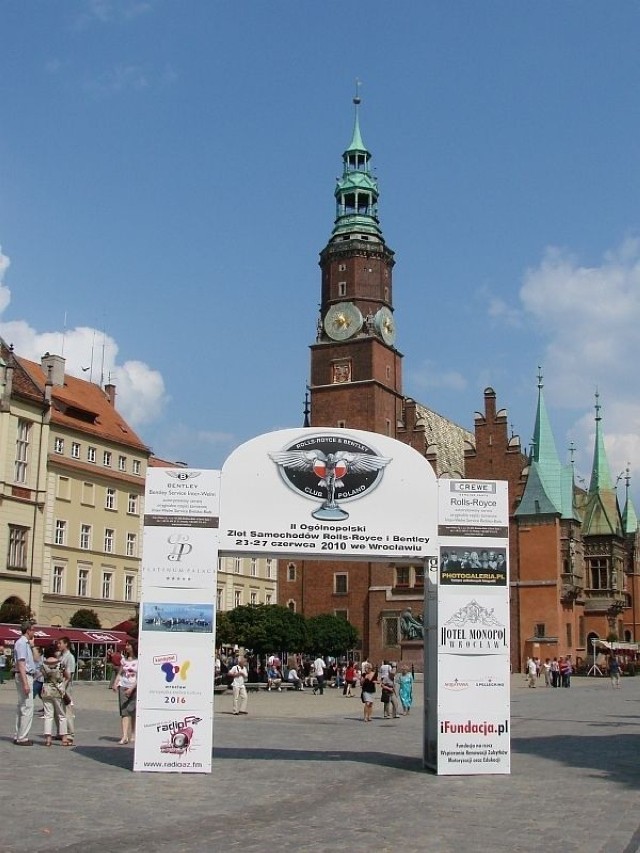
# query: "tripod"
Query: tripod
{"points": [[595, 669]]}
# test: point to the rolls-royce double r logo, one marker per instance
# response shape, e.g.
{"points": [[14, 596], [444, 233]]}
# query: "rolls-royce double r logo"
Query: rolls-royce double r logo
{"points": [[330, 468]]}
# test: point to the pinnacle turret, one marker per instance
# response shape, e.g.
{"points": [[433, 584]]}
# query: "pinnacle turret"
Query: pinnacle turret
{"points": [[549, 488], [629, 517], [602, 514]]}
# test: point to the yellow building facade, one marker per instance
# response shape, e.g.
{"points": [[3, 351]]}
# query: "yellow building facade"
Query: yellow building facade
{"points": [[72, 493]]}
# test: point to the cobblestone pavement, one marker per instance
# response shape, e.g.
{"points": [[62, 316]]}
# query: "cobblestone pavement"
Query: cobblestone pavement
{"points": [[302, 772]]}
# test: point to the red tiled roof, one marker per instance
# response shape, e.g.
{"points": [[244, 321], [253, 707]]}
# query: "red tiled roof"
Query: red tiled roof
{"points": [[78, 405], [156, 462]]}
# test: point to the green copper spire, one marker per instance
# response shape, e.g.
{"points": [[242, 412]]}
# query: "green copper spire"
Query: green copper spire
{"points": [[356, 143], [544, 447], [601, 515], [629, 517], [549, 487], [357, 190], [600, 473]]}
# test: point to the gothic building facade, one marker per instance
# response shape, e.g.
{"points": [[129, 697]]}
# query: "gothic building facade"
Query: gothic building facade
{"points": [[575, 573]]}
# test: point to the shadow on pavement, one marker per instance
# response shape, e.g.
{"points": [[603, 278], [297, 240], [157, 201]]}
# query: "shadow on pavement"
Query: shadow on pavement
{"points": [[380, 759], [114, 756], [614, 756]]}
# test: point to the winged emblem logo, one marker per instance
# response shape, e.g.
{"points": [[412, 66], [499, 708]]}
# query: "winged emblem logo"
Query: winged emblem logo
{"points": [[332, 473], [182, 475]]}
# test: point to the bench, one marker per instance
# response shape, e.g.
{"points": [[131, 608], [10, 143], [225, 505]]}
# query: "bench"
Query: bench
{"points": [[253, 686]]}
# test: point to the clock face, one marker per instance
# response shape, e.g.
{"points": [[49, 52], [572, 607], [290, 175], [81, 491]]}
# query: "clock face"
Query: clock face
{"points": [[385, 325], [342, 321]]}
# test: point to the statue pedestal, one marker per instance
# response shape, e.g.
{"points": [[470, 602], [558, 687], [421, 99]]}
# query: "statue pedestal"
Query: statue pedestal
{"points": [[412, 653]]}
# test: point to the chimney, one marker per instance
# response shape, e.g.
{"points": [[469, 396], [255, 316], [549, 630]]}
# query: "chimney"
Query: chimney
{"points": [[53, 367], [110, 391]]}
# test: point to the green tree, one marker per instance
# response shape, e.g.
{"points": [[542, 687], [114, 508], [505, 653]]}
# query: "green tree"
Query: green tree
{"points": [[85, 618], [265, 628], [225, 635], [14, 611], [331, 635]]}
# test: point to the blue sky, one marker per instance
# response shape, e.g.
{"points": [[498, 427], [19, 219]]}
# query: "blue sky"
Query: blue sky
{"points": [[166, 183]]}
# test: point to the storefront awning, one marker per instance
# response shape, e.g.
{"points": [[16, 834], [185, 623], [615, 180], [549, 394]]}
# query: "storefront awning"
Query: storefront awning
{"points": [[45, 635], [617, 647]]}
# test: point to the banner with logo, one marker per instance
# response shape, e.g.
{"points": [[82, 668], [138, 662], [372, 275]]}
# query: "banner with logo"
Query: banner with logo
{"points": [[468, 708], [178, 672], [328, 493], [178, 557], [173, 740], [176, 661]]}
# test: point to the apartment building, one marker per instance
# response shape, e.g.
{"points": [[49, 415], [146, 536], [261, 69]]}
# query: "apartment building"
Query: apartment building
{"points": [[72, 493]]}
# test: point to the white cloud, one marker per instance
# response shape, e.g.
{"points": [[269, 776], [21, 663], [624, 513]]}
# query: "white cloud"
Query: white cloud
{"points": [[500, 311], [91, 355], [428, 375], [111, 11], [5, 293], [215, 438], [120, 78], [141, 391], [621, 431], [589, 317]]}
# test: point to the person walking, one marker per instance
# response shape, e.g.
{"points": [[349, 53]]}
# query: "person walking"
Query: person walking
{"points": [[68, 664], [532, 672], [3, 664], [319, 667], [389, 698], [127, 684], [368, 685], [615, 671], [405, 689], [25, 670], [239, 674], [566, 671], [52, 695], [349, 680]]}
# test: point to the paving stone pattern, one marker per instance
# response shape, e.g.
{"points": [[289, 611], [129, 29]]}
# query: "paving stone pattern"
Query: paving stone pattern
{"points": [[303, 772]]}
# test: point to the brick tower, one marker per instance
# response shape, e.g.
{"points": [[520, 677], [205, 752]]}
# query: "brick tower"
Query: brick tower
{"points": [[356, 382], [356, 378]]}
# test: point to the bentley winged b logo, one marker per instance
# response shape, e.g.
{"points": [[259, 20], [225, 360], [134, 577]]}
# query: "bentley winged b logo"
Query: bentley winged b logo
{"points": [[182, 475], [331, 468]]}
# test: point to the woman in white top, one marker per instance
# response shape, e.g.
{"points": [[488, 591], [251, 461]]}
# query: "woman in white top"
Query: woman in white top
{"points": [[126, 684]]}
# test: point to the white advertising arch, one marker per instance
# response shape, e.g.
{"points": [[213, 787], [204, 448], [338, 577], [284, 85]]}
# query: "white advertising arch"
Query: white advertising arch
{"points": [[314, 494]]}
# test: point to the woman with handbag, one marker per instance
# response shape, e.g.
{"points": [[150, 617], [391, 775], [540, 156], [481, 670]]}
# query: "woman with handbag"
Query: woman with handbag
{"points": [[52, 695], [126, 684], [368, 685]]}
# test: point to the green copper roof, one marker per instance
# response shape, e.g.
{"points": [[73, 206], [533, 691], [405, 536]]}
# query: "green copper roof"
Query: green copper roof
{"points": [[600, 472], [356, 190], [549, 487], [601, 514], [356, 141], [629, 517], [536, 500]]}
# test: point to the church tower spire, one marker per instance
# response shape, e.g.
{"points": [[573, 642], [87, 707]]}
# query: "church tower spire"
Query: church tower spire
{"points": [[357, 190], [549, 487], [355, 368], [602, 514]]}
